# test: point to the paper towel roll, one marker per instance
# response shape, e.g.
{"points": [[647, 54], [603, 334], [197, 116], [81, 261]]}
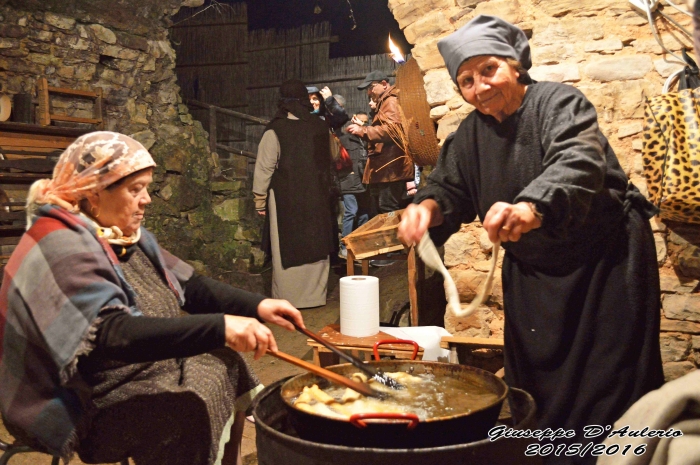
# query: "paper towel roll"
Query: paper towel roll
{"points": [[359, 306]]}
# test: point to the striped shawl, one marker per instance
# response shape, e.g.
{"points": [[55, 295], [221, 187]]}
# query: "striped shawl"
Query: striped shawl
{"points": [[58, 281]]}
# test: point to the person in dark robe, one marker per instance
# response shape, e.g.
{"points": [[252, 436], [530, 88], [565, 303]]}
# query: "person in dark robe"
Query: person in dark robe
{"points": [[291, 185], [580, 280]]}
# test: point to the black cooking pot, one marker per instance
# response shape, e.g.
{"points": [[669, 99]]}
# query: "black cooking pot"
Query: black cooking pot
{"points": [[397, 430]]}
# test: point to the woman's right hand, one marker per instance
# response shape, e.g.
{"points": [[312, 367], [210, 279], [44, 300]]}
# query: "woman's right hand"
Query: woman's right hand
{"points": [[416, 219], [247, 334]]}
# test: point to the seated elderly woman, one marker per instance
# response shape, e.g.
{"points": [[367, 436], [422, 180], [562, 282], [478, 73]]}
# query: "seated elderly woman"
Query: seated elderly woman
{"points": [[97, 354], [581, 290]]}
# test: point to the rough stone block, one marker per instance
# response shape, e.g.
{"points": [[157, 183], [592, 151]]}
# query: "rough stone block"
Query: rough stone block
{"points": [[59, 21], [433, 24], [609, 45], [427, 55], [630, 129], [677, 326], [448, 125], [229, 210], [619, 68], [553, 54], [682, 307], [508, 10], [689, 261], [674, 347], [666, 68], [147, 138], [438, 112], [9, 43], [661, 250], [675, 370], [555, 73], [439, 87], [102, 33], [117, 51], [12, 31], [458, 249]]}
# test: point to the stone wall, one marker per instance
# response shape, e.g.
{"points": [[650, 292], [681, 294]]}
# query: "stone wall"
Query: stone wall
{"points": [[607, 50], [124, 48]]}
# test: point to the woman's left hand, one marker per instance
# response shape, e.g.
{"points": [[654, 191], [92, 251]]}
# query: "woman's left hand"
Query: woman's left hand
{"points": [[275, 311], [506, 222]]}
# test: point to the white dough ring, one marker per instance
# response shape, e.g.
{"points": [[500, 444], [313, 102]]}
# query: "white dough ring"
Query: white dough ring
{"points": [[430, 256]]}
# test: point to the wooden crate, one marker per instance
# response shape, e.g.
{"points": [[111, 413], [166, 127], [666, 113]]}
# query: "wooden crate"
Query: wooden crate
{"points": [[376, 237]]}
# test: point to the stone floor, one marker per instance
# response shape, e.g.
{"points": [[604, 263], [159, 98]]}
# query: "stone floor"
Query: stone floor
{"points": [[393, 294]]}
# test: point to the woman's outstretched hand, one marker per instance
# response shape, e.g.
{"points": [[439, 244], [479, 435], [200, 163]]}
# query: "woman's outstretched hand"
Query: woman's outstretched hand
{"points": [[416, 219], [245, 334], [507, 222]]}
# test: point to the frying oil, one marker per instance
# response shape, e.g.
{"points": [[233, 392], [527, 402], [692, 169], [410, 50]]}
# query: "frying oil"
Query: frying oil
{"points": [[425, 394]]}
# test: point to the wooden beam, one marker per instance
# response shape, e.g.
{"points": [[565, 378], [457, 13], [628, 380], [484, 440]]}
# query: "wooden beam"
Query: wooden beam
{"points": [[75, 119], [483, 342], [225, 111], [223, 63], [11, 151], [6, 126], [37, 165], [76, 92], [337, 79], [243, 153], [230, 23], [329, 40]]}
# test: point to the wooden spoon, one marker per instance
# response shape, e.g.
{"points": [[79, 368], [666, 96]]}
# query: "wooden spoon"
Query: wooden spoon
{"points": [[362, 388]]}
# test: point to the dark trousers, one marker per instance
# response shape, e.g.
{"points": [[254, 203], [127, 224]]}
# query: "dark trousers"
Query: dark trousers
{"points": [[356, 213], [387, 196]]}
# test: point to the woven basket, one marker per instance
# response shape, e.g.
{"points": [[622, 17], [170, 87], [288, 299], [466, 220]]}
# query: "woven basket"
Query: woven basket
{"points": [[418, 127]]}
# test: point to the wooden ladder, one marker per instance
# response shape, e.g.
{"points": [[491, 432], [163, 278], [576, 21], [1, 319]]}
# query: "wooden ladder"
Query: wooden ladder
{"points": [[45, 115]]}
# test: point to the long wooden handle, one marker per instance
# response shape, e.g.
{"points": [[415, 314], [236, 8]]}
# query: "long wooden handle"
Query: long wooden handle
{"points": [[362, 388], [359, 364]]}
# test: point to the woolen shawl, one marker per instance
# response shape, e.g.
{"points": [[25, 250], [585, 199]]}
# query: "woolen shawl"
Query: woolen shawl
{"points": [[57, 283]]}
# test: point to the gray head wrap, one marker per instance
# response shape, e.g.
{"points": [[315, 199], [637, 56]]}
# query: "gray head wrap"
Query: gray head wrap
{"points": [[484, 35]]}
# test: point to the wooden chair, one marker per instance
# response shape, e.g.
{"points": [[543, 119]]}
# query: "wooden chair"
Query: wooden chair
{"points": [[17, 448], [45, 115]]}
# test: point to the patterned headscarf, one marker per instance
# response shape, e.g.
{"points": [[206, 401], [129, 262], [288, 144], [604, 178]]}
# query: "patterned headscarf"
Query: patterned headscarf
{"points": [[90, 164]]}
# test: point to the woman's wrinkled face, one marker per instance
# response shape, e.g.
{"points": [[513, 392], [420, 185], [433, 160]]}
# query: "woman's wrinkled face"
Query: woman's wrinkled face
{"points": [[124, 205], [315, 102], [491, 85]]}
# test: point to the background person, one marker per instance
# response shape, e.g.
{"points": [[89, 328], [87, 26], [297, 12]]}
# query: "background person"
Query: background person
{"points": [[388, 166], [355, 199], [98, 355], [291, 186], [580, 279]]}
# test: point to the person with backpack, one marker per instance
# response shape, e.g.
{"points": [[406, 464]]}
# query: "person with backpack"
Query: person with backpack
{"points": [[355, 198]]}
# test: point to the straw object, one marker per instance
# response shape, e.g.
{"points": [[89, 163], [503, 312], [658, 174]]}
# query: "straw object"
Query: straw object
{"points": [[418, 128]]}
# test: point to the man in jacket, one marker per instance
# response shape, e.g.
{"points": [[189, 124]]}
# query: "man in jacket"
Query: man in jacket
{"points": [[388, 166]]}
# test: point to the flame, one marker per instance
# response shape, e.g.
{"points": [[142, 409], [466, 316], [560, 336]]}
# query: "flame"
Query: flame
{"points": [[395, 52]]}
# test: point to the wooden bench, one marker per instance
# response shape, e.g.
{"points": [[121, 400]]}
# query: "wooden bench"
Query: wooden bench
{"points": [[29, 152], [360, 347]]}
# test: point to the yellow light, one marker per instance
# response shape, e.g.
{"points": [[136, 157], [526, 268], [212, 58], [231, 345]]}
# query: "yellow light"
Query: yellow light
{"points": [[395, 52]]}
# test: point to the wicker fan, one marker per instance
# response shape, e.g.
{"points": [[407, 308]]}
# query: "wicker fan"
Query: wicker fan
{"points": [[419, 129]]}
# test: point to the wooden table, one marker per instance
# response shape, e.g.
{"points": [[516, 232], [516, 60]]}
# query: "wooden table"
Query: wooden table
{"points": [[374, 240], [360, 347]]}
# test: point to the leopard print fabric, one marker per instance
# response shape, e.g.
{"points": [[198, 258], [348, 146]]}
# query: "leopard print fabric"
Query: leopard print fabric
{"points": [[671, 154]]}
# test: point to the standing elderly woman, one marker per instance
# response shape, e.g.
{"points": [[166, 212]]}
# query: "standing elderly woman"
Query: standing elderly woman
{"points": [[291, 186], [580, 280], [98, 355]]}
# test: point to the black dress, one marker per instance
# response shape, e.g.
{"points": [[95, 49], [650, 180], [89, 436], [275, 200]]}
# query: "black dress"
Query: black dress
{"points": [[581, 293]]}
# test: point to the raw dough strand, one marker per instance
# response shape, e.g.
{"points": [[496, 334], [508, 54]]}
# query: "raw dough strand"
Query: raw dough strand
{"points": [[430, 256]]}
